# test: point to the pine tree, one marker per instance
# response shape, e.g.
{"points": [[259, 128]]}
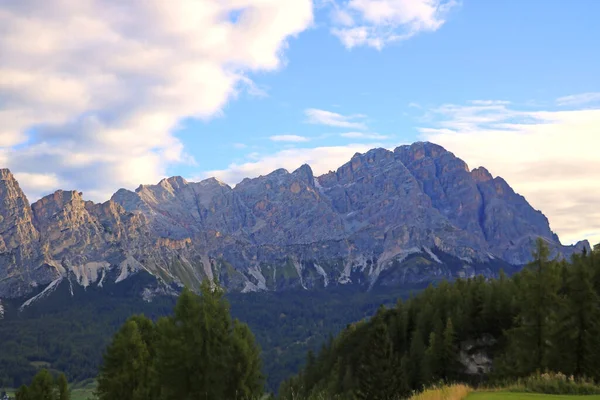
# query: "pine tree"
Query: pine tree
{"points": [[42, 387], [201, 354], [579, 324], [63, 388], [415, 366], [126, 371], [449, 357], [246, 379], [433, 368], [530, 339], [23, 393], [379, 376]]}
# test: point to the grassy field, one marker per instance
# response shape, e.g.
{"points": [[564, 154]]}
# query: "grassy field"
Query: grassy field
{"points": [[525, 396], [82, 394], [76, 394]]}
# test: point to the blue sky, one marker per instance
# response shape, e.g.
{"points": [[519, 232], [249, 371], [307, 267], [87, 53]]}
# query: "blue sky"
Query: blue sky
{"points": [[106, 94], [523, 52]]}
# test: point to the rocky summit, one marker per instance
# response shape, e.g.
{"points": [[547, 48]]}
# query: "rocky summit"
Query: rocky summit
{"points": [[385, 217]]}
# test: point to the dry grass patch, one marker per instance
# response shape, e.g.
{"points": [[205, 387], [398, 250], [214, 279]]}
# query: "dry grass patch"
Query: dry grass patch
{"points": [[452, 392]]}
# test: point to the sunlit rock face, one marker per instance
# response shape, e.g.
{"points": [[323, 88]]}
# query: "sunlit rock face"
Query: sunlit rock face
{"points": [[414, 214]]}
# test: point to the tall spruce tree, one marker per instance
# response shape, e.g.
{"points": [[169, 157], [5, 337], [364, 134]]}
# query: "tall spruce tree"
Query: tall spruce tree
{"points": [[43, 387], [22, 393], [433, 368], [246, 379], [201, 354], [380, 377], [578, 328], [415, 362], [127, 368], [449, 359], [191, 351], [63, 388], [530, 340]]}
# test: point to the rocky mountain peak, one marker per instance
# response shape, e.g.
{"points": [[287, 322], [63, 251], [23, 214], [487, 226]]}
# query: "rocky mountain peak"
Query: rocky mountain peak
{"points": [[305, 174], [279, 230], [481, 175], [212, 181], [16, 219], [5, 174], [419, 150], [59, 213], [173, 183]]}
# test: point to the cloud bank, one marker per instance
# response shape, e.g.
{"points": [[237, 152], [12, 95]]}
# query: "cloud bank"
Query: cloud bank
{"points": [[550, 157], [91, 92], [376, 23], [321, 159]]}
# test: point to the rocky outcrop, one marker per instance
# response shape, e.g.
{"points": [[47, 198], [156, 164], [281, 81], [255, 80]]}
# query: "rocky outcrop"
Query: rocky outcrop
{"points": [[385, 217], [19, 240]]}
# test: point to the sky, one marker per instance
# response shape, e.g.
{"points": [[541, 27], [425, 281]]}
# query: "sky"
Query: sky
{"points": [[96, 95]]}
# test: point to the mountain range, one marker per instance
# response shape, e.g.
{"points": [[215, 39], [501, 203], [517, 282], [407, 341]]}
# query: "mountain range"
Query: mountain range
{"points": [[414, 214]]}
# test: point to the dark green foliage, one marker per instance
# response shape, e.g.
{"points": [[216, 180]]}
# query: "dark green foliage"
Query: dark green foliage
{"points": [[67, 333], [538, 289], [45, 387], [197, 353], [70, 334], [545, 318], [578, 328], [377, 374], [127, 369], [414, 363], [244, 373], [63, 388]]}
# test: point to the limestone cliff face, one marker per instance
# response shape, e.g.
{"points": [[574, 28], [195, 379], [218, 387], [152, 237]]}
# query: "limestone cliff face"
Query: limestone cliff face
{"points": [[19, 239], [385, 217]]}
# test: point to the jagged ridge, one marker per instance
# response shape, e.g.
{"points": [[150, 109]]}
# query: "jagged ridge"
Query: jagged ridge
{"points": [[401, 210]]}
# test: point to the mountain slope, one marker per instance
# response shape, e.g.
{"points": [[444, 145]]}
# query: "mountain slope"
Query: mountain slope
{"points": [[386, 217]]}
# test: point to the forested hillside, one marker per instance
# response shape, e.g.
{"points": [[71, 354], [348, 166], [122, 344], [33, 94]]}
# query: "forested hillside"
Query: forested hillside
{"points": [[546, 317], [69, 334]]}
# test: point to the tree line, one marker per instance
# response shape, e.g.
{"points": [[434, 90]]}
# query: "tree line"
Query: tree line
{"points": [[544, 318], [45, 387], [199, 352], [69, 334]]}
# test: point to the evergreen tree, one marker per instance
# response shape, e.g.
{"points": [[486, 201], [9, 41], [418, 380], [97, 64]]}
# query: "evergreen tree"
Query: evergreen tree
{"points": [[379, 376], [63, 388], [449, 356], [246, 379], [415, 366], [42, 387], [595, 267], [530, 339], [22, 393], [200, 354], [126, 371], [433, 368], [579, 326]]}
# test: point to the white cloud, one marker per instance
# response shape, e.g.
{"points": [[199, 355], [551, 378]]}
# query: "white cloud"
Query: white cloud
{"points": [[364, 135], [550, 157], [289, 138], [578, 99], [376, 23], [489, 102], [92, 91], [321, 159], [240, 145], [323, 117], [37, 182]]}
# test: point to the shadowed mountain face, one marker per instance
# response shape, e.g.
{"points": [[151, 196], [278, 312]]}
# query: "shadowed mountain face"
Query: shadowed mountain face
{"points": [[386, 217]]}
